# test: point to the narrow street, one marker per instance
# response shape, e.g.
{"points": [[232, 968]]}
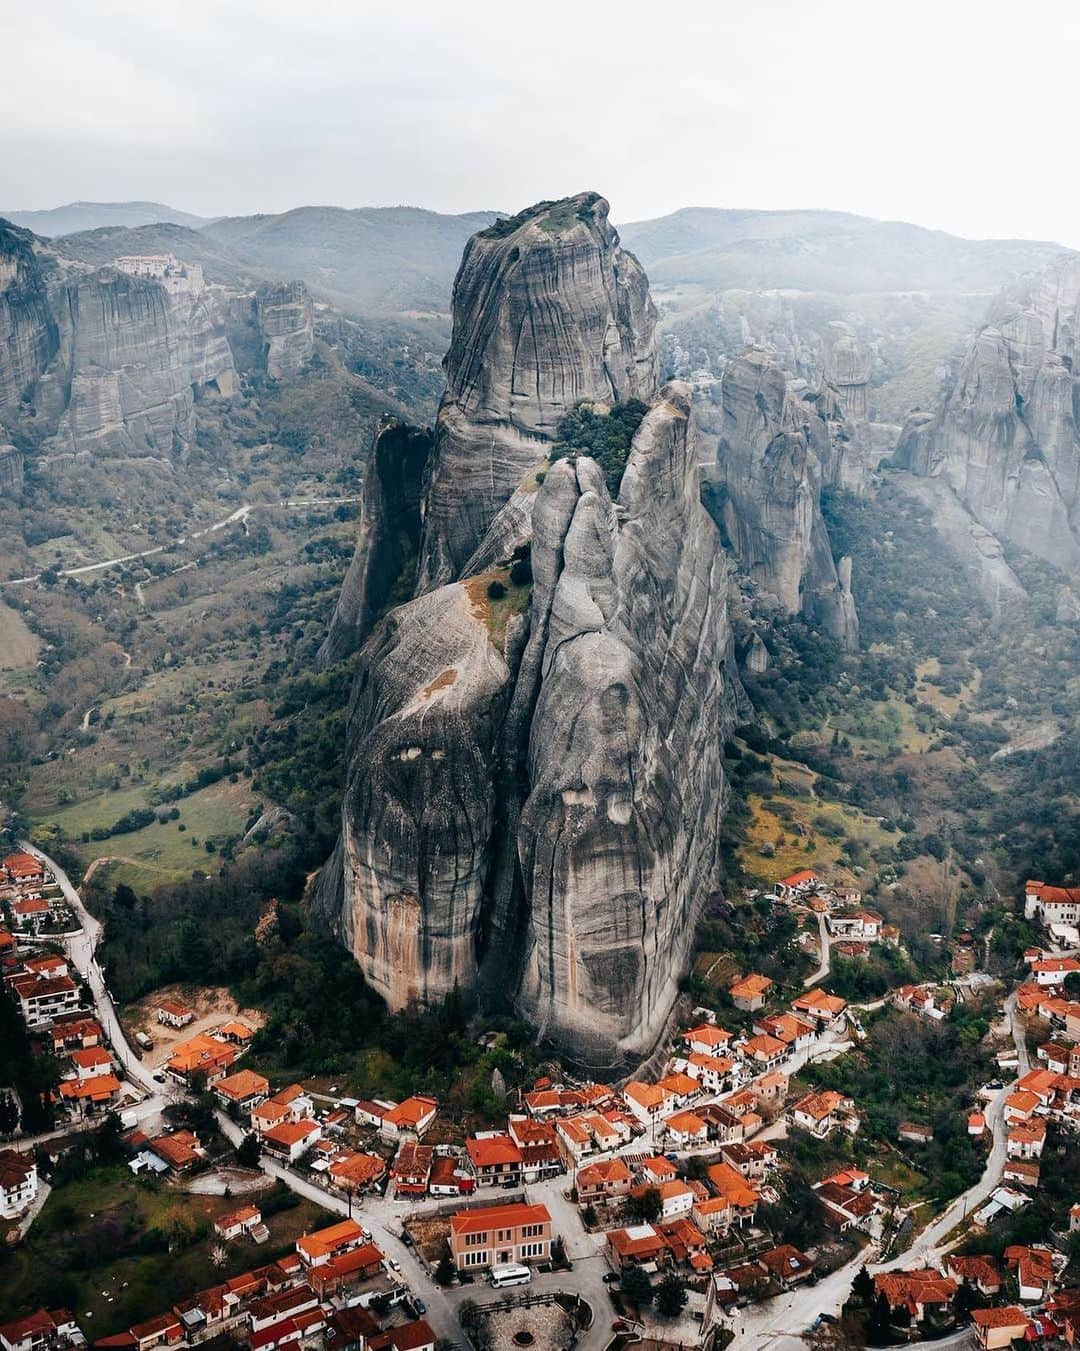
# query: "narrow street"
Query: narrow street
{"points": [[825, 964]]}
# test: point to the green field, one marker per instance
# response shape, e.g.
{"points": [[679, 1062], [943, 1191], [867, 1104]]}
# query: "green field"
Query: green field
{"points": [[101, 1248], [161, 852]]}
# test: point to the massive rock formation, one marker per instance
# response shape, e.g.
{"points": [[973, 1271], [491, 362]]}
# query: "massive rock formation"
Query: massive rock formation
{"points": [[766, 485], [619, 833], [388, 541], [133, 352], [533, 794], [1007, 438], [548, 311], [286, 319], [28, 335]]}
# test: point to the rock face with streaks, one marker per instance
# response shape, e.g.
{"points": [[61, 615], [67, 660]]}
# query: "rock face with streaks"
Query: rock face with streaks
{"points": [[618, 836], [766, 491], [549, 311], [533, 797], [388, 540], [28, 334], [133, 353], [11, 469], [286, 319], [1007, 437]]}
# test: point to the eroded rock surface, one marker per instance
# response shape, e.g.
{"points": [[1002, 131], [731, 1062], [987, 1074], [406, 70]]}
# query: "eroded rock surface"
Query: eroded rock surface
{"points": [[766, 485], [1007, 437], [286, 319], [533, 800], [28, 334], [618, 839], [549, 311], [388, 538]]}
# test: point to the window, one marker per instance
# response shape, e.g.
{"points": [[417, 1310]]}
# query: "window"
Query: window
{"points": [[533, 1250], [472, 1240], [475, 1259], [531, 1230]]}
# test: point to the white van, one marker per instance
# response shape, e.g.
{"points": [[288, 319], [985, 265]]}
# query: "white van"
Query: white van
{"points": [[510, 1274]]}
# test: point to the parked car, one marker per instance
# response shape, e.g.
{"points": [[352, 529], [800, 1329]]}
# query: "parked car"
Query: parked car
{"points": [[419, 1306], [611, 1277]]}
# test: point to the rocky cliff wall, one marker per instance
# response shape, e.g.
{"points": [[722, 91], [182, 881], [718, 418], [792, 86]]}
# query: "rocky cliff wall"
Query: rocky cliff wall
{"points": [[286, 318], [619, 833], [132, 355], [1007, 437], [766, 487], [388, 538], [28, 332], [11, 470], [533, 800], [549, 311]]}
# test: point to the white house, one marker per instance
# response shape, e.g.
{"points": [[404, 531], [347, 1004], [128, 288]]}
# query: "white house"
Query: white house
{"points": [[18, 1183], [1051, 905]]}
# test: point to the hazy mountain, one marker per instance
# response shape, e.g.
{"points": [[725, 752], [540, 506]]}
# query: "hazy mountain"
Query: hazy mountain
{"points": [[823, 251], [191, 246], [373, 260], [65, 220]]}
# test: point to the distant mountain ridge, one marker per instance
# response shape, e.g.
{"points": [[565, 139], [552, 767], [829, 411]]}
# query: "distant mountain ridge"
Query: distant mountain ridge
{"points": [[823, 251], [385, 260], [76, 216]]}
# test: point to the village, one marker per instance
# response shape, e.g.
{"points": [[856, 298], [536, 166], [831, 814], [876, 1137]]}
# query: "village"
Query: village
{"points": [[667, 1195]]}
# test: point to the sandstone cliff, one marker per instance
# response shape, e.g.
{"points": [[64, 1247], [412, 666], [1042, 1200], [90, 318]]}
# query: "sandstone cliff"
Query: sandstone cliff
{"points": [[766, 491], [533, 795], [1007, 438], [28, 335], [549, 311], [286, 319], [133, 353], [388, 538]]}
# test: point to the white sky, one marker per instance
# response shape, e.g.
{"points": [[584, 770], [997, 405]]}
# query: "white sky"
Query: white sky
{"points": [[949, 113]]}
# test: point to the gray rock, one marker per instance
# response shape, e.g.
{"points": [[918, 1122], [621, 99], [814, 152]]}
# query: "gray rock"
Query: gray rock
{"points": [[978, 552], [388, 538], [767, 493], [132, 353], [757, 656], [286, 319], [1068, 606], [28, 333], [11, 470], [535, 812], [548, 311], [618, 838], [1006, 438]]}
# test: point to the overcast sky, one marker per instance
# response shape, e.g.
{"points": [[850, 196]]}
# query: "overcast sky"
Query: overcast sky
{"points": [[951, 114]]}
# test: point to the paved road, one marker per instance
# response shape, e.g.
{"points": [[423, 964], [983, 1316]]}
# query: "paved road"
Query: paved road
{"points": [[826, 955], [80, 948], [781, 1322]]}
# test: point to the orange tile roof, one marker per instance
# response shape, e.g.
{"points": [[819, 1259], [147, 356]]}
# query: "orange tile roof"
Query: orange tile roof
{"points": [[411, 1112], [97, 1089], [358, 1169], [92, 1055], [603, 1171], [242, 1084], [236, 1029], [679, 1085], [708, 1034], [732, 1186], [686, 1123], [798, 878], [198, 1053], [1008, 1317], [290, 1133], [330, 1239], [764, 1048], [649, 1096], [476, 1221], [750, 987], [820, 1001], [492, 1151]]}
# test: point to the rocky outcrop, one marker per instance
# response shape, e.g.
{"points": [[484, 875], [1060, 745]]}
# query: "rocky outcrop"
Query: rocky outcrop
{"points": [[388, 540], [549, 311], [11, 469], [1007, 437], [619, 831], [533, 796], [286, 319], [133, 354], [847, 370], [766, 491], [28, 334]]}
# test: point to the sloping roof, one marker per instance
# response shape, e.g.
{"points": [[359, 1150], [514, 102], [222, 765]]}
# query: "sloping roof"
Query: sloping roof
{"points": [[479, 1220]]}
